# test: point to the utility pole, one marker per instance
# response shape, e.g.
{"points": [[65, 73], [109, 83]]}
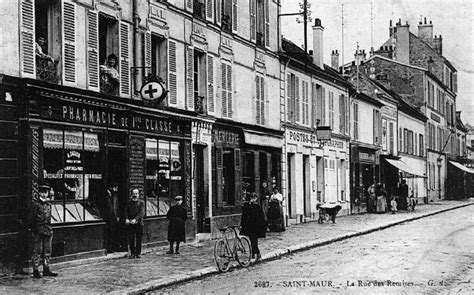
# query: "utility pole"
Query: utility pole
{"points": [[306, 18]]}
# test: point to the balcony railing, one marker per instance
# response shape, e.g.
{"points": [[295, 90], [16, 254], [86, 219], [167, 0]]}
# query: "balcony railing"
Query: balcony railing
{"points": [[108, 84], [199, 104], [47, 70]]}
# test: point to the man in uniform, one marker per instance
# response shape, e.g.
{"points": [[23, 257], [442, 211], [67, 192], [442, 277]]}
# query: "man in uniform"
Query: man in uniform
{"points": [[42, 232]]}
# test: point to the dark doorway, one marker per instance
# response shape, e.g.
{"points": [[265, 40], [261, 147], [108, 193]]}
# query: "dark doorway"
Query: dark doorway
{"points": [[116, 172], [199, 188], [229, 177]]}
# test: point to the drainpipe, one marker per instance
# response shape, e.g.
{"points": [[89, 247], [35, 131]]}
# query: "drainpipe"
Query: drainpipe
{"points": [[136, 46]]}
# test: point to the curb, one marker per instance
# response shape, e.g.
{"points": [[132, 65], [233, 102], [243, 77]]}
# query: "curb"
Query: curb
{"points": [[201, 273]]}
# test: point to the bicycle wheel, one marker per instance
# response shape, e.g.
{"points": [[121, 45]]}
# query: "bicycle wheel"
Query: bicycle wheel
{"points": [[243, 251], [222, 255]]}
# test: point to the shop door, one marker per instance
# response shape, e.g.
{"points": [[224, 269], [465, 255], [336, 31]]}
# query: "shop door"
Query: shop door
{"points": [[199, 188], [116, 172], [306, 186], [330, 180]]}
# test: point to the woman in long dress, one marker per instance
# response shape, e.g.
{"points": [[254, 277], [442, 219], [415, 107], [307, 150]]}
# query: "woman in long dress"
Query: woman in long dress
{"points": [[381, 195], [275, 212]]}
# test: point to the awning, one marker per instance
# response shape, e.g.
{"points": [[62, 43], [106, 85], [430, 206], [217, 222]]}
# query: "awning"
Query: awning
{"points": [[262, 139], [400, 165], [462, 167]]}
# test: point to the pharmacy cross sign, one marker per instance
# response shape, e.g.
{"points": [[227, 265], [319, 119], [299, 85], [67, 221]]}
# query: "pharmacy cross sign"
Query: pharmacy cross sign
{"points": [[152, 91]]}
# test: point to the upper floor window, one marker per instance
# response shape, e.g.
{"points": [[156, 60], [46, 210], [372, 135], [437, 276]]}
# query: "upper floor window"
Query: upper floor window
{"points": [[108, 54], [48, 40], [199, 9], [199, 79], [293, 101], [229, 15], [421, 145], [227, 97], [159, 56], [377, 127]]}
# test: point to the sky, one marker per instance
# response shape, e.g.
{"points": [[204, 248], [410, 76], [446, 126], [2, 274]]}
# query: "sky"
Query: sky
{"points": [[453, 19]]}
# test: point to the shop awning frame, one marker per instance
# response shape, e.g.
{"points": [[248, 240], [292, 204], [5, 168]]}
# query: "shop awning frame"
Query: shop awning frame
{"points": [[400, 165], [462, 167], [262, 139]]}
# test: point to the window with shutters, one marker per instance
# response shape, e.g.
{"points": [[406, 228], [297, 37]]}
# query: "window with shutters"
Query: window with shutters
{"points": [[199, 9], [199, 79], [260, 100], [226, 79], [47, 27], [159, 57], [331, 110], [290, 116], [109, 54], [356, 121]]}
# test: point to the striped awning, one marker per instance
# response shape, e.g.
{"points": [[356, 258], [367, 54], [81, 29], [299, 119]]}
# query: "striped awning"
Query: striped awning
{"points": [[70, 140]]}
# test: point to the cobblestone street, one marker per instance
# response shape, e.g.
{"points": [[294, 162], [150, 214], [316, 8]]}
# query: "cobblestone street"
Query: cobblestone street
{"points": [[126, 275]]}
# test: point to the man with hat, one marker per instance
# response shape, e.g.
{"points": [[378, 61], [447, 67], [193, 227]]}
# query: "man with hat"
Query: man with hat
{"points": [[134, 212], [42, 232], [176, 229]]}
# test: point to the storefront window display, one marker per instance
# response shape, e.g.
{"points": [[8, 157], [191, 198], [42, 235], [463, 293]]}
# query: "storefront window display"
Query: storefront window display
{"points": [[71, 167], [164, 175]]}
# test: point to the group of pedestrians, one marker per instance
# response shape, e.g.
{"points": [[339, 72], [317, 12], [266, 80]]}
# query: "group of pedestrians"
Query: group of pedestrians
{"points": [[399, 199], [256, 222]]}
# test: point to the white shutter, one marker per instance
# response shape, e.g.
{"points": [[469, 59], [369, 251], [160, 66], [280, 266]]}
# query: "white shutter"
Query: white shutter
{"points": [[218, 12], [189, 5], [210, 10], [224, 89], [124, 37], [172, 76], [210, 84], [229, 91], [262, 101], [92, 50], [190, 77], [297, 99], [234, 16], [267, 23], [253, 20], [27, 39], [257, 99], [148, 52], [69, 43]]}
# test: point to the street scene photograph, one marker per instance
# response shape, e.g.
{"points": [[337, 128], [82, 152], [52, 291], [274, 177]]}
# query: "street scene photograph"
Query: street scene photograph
{"points": [[236, 147]]}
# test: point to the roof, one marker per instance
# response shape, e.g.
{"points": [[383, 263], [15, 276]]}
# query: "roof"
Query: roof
{"points": [[459, 124], [292, 51]]}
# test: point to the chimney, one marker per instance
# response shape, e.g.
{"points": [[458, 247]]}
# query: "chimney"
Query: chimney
{"points": [[425, 31], [335, 60], [359, 57], [318, 44], [438, 44], [390, 29], [401, 51]]}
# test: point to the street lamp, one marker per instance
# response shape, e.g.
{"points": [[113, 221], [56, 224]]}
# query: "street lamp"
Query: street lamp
{"points": [[439, 161]]}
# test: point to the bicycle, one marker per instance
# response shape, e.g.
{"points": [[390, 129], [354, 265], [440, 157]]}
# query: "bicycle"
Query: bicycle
{"points": [[224, 253]]}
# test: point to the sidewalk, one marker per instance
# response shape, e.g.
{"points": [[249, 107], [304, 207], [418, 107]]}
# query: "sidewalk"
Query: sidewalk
{"points": [[156, 269]]}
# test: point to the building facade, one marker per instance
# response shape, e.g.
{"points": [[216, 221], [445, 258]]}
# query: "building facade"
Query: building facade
{"points": [[77, 120], [312, 95]]}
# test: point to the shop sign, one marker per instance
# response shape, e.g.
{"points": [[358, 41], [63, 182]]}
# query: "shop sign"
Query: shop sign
{"points": [[119, 119], [226, 137], [300, 137], [366, 157], [334, 143]]}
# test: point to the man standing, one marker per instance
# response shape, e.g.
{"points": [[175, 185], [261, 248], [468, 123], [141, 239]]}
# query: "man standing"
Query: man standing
{"points": [[112, 216], [42, 232], [403, 192], [134, 213]]}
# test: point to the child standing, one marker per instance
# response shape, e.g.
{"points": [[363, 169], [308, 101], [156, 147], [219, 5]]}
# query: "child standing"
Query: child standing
{"points": [[393, 205]]}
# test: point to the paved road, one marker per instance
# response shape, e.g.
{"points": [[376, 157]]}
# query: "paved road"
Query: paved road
{"points": [[430, 255]]}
